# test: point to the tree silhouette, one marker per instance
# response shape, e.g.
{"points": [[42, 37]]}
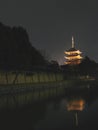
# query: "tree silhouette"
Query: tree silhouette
{"points": [[16, 51]]}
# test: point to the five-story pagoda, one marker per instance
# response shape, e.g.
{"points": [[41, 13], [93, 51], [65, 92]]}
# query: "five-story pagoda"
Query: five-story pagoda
{"points": [[73, 56]]}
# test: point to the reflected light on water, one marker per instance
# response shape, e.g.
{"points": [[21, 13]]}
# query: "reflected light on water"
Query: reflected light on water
{"points": [[76, 104]]}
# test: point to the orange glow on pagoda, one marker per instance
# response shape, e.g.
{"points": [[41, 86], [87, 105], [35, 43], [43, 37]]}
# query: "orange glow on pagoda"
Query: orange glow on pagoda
{"points": [[73, 56]]}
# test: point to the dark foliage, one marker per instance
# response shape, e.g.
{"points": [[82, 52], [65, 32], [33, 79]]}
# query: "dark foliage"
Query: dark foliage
{"points": [[86, 67], [16, 51]]}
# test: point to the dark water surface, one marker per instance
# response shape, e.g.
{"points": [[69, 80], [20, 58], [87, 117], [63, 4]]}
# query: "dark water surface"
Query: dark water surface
{"points": [[74, 108]]}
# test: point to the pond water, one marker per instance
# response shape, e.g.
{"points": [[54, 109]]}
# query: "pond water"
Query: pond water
{"points": [[74, 108]]}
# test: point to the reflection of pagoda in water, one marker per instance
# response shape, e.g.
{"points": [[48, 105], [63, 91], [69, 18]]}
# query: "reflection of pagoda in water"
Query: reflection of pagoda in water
{"points": [[76, 105], [73, 56]]}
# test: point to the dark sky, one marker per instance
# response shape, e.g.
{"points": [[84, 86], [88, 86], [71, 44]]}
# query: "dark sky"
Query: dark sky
{"points": [[51, 24]]}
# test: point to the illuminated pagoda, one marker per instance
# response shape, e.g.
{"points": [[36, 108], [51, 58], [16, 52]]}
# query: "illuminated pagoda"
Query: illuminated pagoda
{"points": [[73, 56]]}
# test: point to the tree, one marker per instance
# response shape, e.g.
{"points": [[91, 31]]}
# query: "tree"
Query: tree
{"points": [[16, 51]]}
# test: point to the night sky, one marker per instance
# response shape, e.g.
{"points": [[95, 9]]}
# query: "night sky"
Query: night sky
{"points": [[51, 24]]}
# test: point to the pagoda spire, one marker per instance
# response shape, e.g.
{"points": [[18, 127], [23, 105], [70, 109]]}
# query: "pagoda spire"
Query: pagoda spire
{"points": [[73, 44]]}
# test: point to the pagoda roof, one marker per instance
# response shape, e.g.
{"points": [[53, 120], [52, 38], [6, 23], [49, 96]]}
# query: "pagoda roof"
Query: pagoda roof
{"points": [[72, 49], [72, 55]]}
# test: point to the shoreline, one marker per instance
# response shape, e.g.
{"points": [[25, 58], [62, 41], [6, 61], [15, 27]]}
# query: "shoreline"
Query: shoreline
{"points": [[17, 88]]}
